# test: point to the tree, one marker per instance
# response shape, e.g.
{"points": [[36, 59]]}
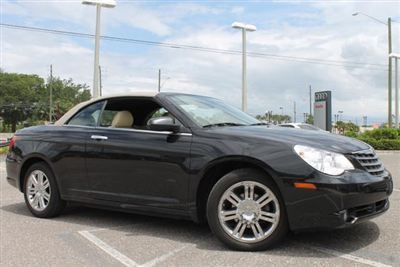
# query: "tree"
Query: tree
{"points": [[18, 93], [274, 118], [345, 127], [26, 97], [310, 119], [66, 94]]}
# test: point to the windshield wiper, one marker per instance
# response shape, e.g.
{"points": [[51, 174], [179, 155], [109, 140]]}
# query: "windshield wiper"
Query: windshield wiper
{"points": [[221, 124]]}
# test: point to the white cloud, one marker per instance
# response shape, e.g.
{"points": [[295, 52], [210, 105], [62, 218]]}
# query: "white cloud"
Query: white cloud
{"points": [[237, 10], [272, 83]]}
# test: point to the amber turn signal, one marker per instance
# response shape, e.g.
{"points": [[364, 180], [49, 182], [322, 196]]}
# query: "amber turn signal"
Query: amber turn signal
{"points": [[305, 185]]}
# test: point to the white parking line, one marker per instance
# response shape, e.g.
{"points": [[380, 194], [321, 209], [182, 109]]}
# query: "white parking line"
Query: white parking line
{"points": [[121, 257], [395, 189], [108, 249], [162, 257], [349, 257]]}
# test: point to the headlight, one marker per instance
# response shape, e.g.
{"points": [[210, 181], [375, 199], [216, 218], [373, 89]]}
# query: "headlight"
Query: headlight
{"points": [[324, 161]]}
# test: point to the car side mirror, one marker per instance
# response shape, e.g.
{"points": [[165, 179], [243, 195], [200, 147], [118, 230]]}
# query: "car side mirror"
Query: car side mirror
{"points": [[164, 124]]}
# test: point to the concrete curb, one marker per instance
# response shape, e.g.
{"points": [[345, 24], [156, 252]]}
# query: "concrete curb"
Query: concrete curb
{"points": [[388, 151]]}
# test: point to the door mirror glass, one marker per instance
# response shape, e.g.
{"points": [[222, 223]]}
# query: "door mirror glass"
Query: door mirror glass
{"points": [[163, 124]]}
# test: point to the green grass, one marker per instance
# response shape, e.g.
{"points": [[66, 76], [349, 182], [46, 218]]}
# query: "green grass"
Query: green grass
{"points": [[3, 150]]}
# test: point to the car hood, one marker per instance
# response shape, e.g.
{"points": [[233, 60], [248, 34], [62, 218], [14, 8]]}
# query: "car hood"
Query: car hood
{"points": [[291, 136]]}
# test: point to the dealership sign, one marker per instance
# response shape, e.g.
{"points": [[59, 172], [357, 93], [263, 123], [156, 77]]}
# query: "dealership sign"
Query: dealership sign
{"points": [[323, 110]]}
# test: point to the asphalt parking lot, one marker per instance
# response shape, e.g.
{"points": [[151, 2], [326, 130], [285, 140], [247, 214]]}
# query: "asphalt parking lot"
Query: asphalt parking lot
{"points": [[90, 237]]}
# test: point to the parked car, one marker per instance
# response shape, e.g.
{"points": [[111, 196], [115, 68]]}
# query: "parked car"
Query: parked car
{"points": [[301, 125], [4, 142], [195, 157]]}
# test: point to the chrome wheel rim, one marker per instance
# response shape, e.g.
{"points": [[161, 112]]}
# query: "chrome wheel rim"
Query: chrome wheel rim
{"points": [[248, 211], [38, 190]]}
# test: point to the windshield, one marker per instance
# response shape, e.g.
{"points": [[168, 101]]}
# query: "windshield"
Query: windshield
{"points": [[208, 112]]}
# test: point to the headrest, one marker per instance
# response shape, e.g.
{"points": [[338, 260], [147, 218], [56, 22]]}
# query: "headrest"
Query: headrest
{"points": [[123, 119]]}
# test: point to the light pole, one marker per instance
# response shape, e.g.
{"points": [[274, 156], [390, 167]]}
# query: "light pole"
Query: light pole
{"points": [[396, 86], [336, 121], [389, 27], [251, 28], [99, 4], [341, 113]]}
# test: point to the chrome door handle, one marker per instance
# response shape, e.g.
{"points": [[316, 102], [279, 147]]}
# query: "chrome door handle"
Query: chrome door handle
{"points": [[99, 137]]}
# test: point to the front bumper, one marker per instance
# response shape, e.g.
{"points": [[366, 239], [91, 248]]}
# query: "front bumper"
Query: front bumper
{"points": [[337, 202]]}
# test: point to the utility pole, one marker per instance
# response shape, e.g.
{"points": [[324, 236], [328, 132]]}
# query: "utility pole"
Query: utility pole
{"points": [[389, 24], [294, 111], [389, 28], [310, 102], [51, 95], [100, 82], [159, 80]]}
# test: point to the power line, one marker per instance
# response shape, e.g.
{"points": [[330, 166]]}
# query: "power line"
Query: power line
{"points": [[350, 64]]}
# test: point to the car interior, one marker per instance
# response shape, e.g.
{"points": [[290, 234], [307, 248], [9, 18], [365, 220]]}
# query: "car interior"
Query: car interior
{"points": [[129, 113]]}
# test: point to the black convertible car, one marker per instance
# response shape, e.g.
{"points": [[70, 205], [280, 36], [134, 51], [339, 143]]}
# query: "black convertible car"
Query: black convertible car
{"points": [[194, 157]]}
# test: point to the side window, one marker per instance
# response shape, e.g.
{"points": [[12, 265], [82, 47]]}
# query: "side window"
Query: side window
{"points": [[89, 116], [162, 112], [159, 113]]}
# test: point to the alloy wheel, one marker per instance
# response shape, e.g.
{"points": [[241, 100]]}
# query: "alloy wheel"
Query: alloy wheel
{"points": [[38, 190], [248, 211]]}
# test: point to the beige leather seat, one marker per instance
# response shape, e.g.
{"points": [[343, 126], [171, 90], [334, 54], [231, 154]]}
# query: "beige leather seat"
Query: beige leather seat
{"points": [[123, 119]]}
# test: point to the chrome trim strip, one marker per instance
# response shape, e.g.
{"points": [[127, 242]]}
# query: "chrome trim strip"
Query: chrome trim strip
{"points": [[78, 126], [132, 130], [364, 151], [147, 131]]}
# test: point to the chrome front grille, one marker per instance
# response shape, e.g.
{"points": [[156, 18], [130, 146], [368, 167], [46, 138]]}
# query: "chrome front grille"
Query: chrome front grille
{"points": [[370, 162]]}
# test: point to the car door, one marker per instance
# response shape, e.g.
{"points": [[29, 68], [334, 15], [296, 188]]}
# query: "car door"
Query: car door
{"points": [[139, 167], [66, 146]]}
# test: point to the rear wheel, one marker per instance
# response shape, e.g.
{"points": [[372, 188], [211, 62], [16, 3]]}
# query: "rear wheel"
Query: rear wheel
{"points": [[245, 211], [41, 193]]}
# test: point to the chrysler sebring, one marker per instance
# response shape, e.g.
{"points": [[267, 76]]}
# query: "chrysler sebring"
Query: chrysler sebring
{"points": [[195, 157]]}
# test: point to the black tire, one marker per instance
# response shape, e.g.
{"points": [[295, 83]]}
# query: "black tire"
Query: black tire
{"points": [[217, 192], [55, 205]]}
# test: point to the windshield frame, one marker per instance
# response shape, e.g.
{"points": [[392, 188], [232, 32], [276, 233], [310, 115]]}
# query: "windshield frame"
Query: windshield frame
{"points": [[173, 98]]}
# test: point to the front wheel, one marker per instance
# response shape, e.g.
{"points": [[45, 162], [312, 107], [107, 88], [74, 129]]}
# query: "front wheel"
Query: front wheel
{"points": [[245, 211]]}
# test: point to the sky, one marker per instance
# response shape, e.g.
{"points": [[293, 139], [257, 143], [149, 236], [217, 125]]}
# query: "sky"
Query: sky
{"points": [[301, 43]]}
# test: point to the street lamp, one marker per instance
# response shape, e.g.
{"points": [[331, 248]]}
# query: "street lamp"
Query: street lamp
{"points": [[99, 4], [389, 26], [396, 85], [251, 28], [341, 113]]}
